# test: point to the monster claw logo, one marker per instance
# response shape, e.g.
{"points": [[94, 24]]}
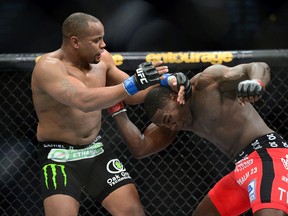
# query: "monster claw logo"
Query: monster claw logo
{"points": [[54, 168]]}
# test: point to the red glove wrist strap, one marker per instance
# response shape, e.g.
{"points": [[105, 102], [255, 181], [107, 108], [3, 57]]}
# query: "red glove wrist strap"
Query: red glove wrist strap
{"points": [[261, 83]]}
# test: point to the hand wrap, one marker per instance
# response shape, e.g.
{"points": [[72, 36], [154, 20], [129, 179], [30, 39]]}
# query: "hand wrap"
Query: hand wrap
{"points": [[116, 109], [252, 88], [146, 75]]}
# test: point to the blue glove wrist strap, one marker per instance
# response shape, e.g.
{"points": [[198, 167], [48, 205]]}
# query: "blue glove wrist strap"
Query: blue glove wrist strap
{"points": [[164, 82], [130, 86]]}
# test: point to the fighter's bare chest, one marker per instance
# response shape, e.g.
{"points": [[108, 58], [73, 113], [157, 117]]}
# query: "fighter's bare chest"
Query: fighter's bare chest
{"points": [[95, 77]]}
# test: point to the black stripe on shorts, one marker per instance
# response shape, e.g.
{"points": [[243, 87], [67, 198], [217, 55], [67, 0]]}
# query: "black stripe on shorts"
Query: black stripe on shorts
{"points": [[268, 176]]}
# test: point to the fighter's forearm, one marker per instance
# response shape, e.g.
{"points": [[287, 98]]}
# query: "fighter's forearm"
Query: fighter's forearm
{"points": [[153, 140], [259, 71]]}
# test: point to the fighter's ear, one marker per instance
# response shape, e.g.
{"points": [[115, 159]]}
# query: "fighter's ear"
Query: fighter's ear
{"points": [[74, 42]]}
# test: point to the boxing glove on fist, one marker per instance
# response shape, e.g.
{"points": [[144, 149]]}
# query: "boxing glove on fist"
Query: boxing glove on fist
{"points": [[116, 109], [146, 75], [251, 88], [181, 80]]}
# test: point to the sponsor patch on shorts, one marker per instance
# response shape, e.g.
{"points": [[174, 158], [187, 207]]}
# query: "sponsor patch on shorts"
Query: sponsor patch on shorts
{"points": [[251, 190], [66, 155]]}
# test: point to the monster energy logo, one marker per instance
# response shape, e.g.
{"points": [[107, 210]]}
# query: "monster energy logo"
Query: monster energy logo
{"points": [[54, 174]]}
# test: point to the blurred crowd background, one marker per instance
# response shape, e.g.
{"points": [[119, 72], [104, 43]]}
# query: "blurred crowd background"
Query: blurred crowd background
{"points": [[28, 26]]}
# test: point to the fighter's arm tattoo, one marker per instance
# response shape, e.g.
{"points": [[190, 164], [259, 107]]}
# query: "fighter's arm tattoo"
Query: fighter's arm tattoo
{"points": [[68, 89]]}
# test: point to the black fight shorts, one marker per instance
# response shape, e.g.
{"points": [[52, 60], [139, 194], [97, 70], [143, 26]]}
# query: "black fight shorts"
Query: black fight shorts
{"points": [[67, 169]]}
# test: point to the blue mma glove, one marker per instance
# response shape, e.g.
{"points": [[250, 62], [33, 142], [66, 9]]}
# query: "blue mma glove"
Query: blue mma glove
{"points": [[146, 75], [181, 80]]}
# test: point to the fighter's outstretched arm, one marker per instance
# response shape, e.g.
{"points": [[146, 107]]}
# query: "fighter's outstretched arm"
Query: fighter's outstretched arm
{"points": [[153, 140]]}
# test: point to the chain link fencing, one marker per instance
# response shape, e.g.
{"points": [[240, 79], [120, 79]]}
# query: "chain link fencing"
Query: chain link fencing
{"points": [[170, 183]]}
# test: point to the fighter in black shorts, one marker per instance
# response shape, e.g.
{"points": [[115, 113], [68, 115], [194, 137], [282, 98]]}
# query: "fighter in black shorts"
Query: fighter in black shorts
{"points": [[221, 111], [70, 87], [67, 169]]}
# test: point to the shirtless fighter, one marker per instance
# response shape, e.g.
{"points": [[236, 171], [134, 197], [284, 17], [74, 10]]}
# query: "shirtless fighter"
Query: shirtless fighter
{"points": [[70, 87], [221, 112]]}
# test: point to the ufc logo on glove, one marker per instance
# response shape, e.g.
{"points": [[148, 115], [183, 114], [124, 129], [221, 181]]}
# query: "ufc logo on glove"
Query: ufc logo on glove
{"points": [[142, 76], [146, 75]]}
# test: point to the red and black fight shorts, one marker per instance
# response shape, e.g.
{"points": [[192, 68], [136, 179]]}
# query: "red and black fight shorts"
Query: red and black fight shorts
{"points": [[259, 180], [67, 169]]}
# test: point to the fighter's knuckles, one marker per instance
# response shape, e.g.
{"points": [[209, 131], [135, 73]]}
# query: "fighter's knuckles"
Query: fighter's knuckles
{"points": [[158, 63]]}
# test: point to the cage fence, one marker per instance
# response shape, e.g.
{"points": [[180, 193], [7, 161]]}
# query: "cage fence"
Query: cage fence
{"points": [[171, 182]]}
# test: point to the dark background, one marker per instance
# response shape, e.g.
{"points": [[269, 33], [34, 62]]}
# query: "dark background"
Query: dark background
{"points": [[28, 26]]}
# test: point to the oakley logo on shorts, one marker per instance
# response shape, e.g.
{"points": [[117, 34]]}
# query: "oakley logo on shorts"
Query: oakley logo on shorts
{"points": [[115, 166], [118, 171], [54, 171]]}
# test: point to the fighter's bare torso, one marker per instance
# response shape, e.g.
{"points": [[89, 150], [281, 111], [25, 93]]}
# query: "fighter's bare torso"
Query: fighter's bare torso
{"points": [[60, 122], [219, 117]]}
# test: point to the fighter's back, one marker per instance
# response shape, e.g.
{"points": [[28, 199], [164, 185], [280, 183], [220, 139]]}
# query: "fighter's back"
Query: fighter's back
{"points": [[218, 114]]}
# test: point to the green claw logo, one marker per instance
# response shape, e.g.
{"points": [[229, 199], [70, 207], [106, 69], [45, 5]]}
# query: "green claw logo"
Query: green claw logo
{"points": [[54, 174]]}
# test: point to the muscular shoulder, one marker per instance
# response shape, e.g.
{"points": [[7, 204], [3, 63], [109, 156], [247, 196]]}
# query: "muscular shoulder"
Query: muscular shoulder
{"points": [[47, 66], [215, 71], [107, 59], [210, 76], [48, 61]]}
